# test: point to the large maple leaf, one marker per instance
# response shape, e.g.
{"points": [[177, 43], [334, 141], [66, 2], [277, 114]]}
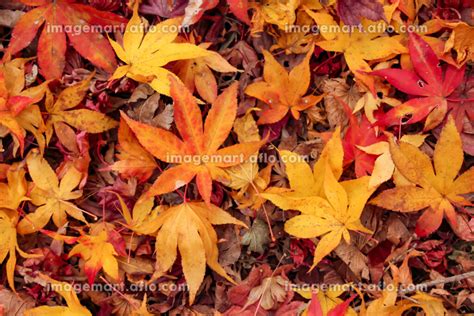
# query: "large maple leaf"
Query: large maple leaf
{"points": [[439, 191], [426, 82], [328, 208], [197, 153], [283, 91], [18, 113], [331, 217], [60, 18], [357, 46], [188, 228], [50, 195], [146, 55]]}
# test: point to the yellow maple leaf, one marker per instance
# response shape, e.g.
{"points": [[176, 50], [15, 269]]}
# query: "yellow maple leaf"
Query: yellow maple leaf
{"points": [[50, 195], [188, 228], [438, 191], [283, 91], [98, 254], [67, 292], [329, 209], [331, 219], [145, 55]]}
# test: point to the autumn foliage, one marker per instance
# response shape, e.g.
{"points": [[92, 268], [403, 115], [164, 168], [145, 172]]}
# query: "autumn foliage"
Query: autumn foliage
{"points": [[236, 157]]}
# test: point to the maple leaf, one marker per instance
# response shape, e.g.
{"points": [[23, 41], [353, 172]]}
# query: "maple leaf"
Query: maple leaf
{"points": [[387, 304], [62, 110], [426, 82], [134, 160], [50, 195], [438, 191], [196, 73], [357, 46], [331, 218], [188, 228], [328, 208], [13, 193], [145, 55], [58, 16], [198, 153], [68, 293], [18, 113], [283, 91], [98, 253]]}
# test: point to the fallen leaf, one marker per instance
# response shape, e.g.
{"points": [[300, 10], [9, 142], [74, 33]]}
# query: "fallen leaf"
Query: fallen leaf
{"points": [[197, 154], [283, 91], [56, 17], [440, 191]]}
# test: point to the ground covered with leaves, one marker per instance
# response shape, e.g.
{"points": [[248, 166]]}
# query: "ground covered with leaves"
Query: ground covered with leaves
{"points": [[234, 157]]}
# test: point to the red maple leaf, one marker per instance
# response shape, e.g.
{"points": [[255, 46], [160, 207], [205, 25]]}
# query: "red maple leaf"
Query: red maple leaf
{"points": [[427, 83], [80, 22]]}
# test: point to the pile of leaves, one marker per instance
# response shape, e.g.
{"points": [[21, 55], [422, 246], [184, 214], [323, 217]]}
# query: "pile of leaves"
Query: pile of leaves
{"points": [[239, 157]]}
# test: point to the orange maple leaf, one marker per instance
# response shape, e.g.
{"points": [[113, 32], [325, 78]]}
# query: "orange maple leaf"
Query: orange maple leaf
{"points": [[283, 91], [197, 153]]}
